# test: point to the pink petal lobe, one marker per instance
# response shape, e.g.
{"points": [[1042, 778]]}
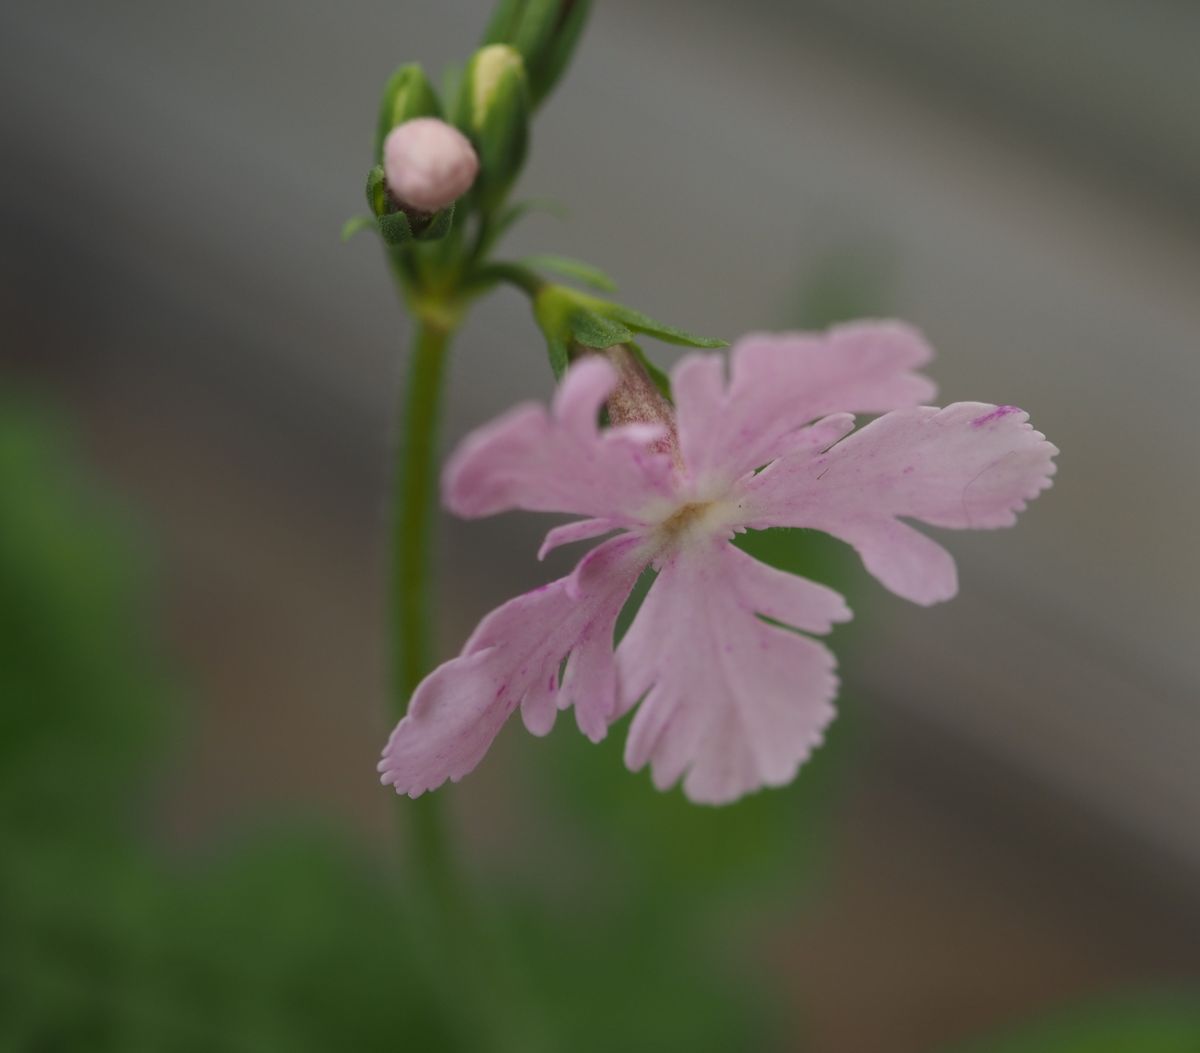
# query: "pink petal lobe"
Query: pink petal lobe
{"points": [[968, 466], [731, 703], [512, 659], [580, 530], [558, 461], [780, 382]]}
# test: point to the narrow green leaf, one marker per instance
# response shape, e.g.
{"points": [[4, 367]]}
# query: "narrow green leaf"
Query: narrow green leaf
{"points": [[572, 268], [555, 60], [356, 223], [668, 333], [502, 26], [521, 277], [594, 330], [510, 215]]}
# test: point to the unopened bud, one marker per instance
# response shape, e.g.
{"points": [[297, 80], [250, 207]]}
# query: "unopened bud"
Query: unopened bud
{"points": [[408, 94], [495, 113], [428, 164], [545, 32]]}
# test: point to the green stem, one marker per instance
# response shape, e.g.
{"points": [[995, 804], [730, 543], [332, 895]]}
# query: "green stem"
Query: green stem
{"points": [[437, 895], [415, 491], [457, 936], [412, 546]]}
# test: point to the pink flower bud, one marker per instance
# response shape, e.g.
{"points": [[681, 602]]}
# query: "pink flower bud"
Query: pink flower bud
{"points": [[428, 163]]}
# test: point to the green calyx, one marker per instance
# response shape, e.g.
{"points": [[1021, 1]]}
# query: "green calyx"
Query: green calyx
{"points": [[396, 226]]}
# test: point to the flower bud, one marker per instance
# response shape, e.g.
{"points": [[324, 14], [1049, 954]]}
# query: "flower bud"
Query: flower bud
{"points": [[545, 32], [408, 94], [494, 111], [428, 164]]}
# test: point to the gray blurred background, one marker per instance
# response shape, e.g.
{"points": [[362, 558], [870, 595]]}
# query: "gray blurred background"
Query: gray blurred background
{"points": [[1021, 180]]}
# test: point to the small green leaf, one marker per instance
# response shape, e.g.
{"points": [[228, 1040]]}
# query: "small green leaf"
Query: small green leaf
{"points": [[356, 223], [641, 323], [594, 330], [572, 268]]}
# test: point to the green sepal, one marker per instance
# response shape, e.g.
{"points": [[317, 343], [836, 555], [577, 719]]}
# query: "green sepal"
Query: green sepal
{"points": [[438, 226], [394, 228], [661, 380], [377, 194], [641, 323], [571, 268], [395, 225], [594, 330], [408, 94]]}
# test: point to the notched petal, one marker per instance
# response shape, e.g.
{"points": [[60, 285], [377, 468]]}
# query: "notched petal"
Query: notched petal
{"points": [[728, 702], [971, 465], [512, 659], [780, 382]]}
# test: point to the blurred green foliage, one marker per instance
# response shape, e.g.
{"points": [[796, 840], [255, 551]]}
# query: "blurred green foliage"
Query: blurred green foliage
{"points": [[1148, 1023], [285, 945]]}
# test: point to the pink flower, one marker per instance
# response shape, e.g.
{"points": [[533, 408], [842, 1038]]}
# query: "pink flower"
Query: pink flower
{"points": [[428, 163], [726, 700]]}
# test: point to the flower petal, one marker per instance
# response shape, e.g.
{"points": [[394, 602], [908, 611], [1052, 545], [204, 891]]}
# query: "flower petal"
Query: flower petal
{"points": [[580, 530], [558, 461], [780, 382], [968, 466], [731, 702], [513, 659]]}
